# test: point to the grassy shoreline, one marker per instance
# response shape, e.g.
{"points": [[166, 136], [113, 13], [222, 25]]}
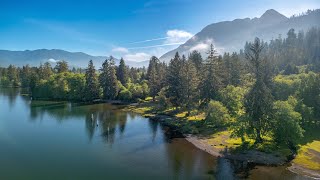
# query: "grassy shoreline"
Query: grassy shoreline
{"points": [[219, 143]]}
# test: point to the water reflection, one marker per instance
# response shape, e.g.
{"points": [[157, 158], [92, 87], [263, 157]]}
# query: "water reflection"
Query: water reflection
{"points": [[154, 127], [11, 94], [136, 146], [91, 124]]}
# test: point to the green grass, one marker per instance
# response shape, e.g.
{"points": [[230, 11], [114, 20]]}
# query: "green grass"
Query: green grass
{"points": [[309, 156]]}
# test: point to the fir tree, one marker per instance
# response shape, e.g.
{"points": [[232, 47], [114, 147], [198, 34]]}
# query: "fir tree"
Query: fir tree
{"points": [[173, 80], [92, 86], [259, 100], [191, 81], [61, 66], [122, 73], [108, 79], [211, 80]]}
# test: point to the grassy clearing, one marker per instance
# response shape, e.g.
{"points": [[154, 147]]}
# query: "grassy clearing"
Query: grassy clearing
{"points": [[309, 156], [309, 149]]}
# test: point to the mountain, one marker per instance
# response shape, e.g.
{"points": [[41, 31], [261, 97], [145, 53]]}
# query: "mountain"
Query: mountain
{"points": [[35, 57], [231, 36]]}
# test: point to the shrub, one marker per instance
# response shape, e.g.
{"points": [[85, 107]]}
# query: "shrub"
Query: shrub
{"points": [[125, 95], [287, 127], [217, 114]]}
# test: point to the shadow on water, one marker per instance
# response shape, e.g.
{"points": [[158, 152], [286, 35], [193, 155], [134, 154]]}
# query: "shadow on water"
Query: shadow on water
{"points": [[140, 140], [11, 94]]}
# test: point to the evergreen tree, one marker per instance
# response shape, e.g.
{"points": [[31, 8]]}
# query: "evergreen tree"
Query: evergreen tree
{"points": [[92, 86], [235, 73], [259, 100], [156, 76], [211, 80], [45, 71], [191, 81], [122, 73], [13, 75], [197, 60], [173, 80], [108, 79], [61, 66], [25, 76]]}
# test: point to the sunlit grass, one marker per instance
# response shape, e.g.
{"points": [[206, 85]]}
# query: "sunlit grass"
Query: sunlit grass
{"points": [[309, 156]]}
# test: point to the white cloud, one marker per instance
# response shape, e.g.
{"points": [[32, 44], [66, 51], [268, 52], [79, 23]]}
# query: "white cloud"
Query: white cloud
{"points": [[158, 45], [51, 60], [202, 46], [120, 50], [140, 56], [175, 36]]}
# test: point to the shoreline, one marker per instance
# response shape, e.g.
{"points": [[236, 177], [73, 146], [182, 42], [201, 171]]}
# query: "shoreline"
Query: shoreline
{"points": [[252, 157]]}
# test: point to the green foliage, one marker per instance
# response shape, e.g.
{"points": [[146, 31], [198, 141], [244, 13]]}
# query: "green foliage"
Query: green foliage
{"points": [[285, 86], [108, 79], [287, 121], [174, 81], [162, 99], [259, 100], [91, 90], [122, 74], [232, 98], [309, 92], [156, 76], [217, 114], [61, 66], [189, 85], [125, 95], [197, 60], [212, 77]]}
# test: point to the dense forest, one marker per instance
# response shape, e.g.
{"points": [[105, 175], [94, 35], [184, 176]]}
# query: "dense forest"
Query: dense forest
{"points": [[268, 89]]}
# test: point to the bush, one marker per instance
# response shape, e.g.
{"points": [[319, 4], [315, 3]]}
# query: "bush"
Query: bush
{"points": [[217, 114], [232, 98], [287, 127], [125, 95], [163, 100]]}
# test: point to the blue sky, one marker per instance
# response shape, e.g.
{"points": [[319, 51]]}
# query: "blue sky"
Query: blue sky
{"points": [[133, 29]]}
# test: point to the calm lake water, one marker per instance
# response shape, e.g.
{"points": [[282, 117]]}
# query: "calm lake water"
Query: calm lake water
{"points": [[55, 140]]}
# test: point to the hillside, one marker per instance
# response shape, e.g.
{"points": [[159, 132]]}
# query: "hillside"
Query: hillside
{"points": [[229, 36]]}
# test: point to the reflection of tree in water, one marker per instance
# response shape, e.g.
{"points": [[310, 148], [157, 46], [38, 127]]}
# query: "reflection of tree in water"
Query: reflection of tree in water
{"points": [[91, 124], [108, 126], [122, 121], [11, 94], [108, 117], [57, 110], [154, 127], [186, 161], [110, 121]]}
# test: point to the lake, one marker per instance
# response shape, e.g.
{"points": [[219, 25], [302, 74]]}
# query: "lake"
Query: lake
{"points": [[61, 140]]}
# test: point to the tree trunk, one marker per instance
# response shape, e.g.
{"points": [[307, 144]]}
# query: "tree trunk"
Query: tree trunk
{"points": [[258, 138]]}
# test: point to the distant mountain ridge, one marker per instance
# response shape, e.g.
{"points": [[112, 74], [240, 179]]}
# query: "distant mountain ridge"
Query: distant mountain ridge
{"points": [[35, 57], [230, 36]]}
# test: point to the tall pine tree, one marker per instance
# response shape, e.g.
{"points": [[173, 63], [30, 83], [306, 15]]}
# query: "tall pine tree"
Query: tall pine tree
{"points": [[108, 79], [91, 91], [173, 80], [259, 100], [212, 78], [122, 73]]}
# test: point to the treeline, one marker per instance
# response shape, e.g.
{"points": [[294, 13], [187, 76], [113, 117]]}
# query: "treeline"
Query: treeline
{"points": [[266, 90], [60, 83], [298, 48]]}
